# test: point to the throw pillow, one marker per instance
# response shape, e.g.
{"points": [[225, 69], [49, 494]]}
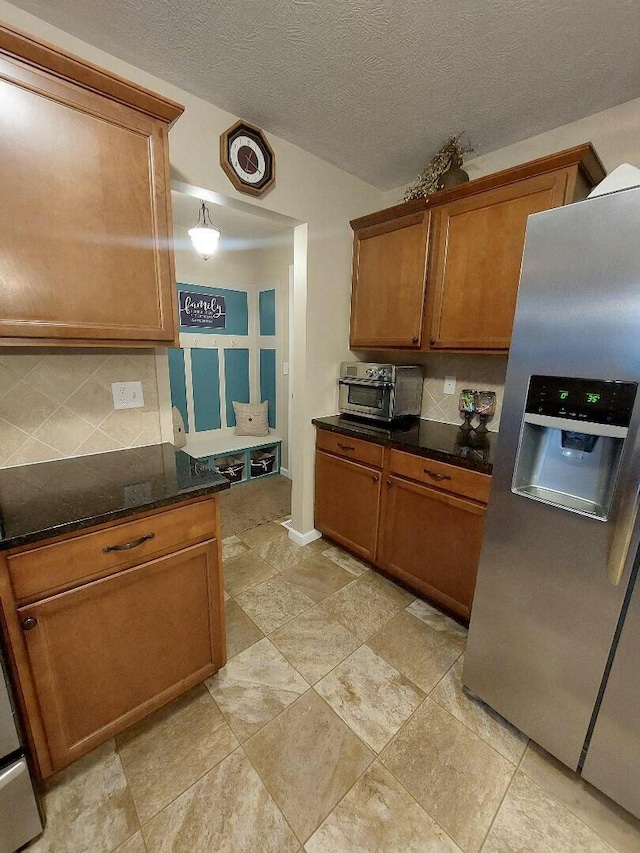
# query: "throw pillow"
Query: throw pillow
{"points": [[251, 418]]}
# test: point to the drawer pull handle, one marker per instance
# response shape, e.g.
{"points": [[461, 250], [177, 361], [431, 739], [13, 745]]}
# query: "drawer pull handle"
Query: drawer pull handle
{"points": [[435, 476], [345, 446], [29, 623], [128, 545]]}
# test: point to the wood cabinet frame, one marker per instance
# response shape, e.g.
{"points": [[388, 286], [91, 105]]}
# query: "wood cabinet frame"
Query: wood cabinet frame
{"points": [[575, 171], [28, 652], [467, 574], [115, 133], [467, 493], [349, 471], [408, 291], [554, 187]]}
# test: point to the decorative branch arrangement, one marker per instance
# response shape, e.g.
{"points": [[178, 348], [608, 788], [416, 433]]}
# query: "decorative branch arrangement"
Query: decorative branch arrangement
{"points": [[430, 180]]}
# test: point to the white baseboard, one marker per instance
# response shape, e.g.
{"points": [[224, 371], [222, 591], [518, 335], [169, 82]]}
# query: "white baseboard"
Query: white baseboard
{"points": [[301, 538], [285, 473]]}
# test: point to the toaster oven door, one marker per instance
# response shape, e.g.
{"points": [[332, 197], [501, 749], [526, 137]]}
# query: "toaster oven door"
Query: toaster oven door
{"points": [[367, 399]]}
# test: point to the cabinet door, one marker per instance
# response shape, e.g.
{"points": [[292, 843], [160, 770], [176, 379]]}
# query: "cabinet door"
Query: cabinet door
{"points": [[431, 540], [347, 503], [106, 654], [85, 214], [389, 280], [477, 250]]}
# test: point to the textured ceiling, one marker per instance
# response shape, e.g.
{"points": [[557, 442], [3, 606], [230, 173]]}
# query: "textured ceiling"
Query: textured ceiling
{"points": [[375, 86]]}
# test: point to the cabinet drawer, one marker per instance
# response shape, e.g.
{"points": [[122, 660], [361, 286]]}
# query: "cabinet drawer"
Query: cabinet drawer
{"points": [[449, 478], [72, 561], [350, 448]]}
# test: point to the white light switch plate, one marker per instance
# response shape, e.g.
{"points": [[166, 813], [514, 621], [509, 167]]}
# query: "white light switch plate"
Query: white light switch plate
{"points": [[449, 385], [127, 395]]}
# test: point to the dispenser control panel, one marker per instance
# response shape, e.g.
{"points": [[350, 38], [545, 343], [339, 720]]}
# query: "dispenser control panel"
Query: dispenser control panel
{"points": [[595, 400]]}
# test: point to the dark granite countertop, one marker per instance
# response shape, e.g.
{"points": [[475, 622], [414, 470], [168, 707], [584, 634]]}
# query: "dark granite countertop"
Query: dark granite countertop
{"points": [[51, 498], [431, 439]]}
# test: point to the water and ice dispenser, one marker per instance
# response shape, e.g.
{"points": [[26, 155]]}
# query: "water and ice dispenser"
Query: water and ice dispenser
{"points": [[571, 441]]}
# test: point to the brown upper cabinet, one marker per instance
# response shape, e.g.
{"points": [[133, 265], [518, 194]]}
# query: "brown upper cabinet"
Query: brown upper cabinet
{"points": [[390, 270], [85, 220], [442, 273]]}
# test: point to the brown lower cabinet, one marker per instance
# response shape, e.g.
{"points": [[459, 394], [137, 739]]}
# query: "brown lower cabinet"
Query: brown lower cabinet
{"points": [[417, 519], [347, 503], [432, 541], [101, 654]]}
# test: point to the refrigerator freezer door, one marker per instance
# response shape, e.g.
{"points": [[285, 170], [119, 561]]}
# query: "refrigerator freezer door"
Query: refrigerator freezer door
{"points": [[8, 735], [19, 816], [545, 612], [613, 757]]}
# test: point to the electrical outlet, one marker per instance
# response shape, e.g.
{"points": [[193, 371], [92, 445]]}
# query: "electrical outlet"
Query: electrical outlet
{"points": [[449, 385], [285, 368], [127, 395]]}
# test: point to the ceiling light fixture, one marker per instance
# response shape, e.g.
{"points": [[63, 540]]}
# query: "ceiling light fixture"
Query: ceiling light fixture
{"points": [[204, 235]]}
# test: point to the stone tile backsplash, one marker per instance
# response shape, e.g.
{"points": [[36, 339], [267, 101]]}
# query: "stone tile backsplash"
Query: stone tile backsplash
{"points": [[57, 403], [481, 372]]}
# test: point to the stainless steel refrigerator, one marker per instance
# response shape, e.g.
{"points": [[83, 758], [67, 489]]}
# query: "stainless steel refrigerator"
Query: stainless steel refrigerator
{"points": [[554, 640]]}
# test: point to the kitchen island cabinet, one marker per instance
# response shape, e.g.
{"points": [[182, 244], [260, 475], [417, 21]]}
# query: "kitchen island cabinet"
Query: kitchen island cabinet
{"points": [[452, 285], [85, 220], [109, 621], [418, 515]]}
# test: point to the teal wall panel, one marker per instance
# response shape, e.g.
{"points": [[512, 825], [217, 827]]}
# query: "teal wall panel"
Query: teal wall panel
{"points": [[236, 307], [206, 388], [268, 382], [267, 312], [236, 380], [178, 384]]}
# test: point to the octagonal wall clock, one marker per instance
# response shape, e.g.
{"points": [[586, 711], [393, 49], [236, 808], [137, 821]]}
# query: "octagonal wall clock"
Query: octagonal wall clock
{"points": [[247, 158]]}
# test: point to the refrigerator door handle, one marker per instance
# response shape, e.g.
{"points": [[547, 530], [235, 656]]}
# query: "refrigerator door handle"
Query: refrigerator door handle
{"points": [[621, 540], [12, 773]]}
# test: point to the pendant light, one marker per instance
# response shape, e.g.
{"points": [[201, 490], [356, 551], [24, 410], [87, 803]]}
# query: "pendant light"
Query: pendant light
{"points": [[204, 235]]}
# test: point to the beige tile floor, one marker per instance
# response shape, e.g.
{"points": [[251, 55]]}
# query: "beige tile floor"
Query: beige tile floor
{"points": [[338, 725]]}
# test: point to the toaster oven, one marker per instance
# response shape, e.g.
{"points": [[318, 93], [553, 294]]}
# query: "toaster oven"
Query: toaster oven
{"points": [[381, 392]]}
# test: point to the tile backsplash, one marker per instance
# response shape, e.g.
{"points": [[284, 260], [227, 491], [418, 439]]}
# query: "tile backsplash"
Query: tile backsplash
{"points": [[58, 403], [481, 372]]}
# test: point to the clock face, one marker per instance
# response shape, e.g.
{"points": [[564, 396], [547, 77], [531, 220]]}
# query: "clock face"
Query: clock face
{"points": [[247, 158]]}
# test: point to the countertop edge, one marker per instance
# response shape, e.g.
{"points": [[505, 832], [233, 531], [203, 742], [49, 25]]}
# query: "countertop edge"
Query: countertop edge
{"points": [[115, 515], [396, 444]]}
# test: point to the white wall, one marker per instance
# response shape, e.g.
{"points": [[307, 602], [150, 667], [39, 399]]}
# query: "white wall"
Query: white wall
{"points": [[272, 270], [308, 190], [235, 269]]}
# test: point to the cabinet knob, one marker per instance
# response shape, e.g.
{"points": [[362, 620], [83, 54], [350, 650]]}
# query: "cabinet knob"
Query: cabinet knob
{"points": [[415, 339], [29, 623], [375, 478], [389, 483], [432, 341]]}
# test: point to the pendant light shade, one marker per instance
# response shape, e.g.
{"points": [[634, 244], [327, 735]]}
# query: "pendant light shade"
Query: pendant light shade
{"points": [[204, 235]]}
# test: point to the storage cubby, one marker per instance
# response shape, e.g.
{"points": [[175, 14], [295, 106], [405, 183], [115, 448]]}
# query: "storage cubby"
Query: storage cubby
{"points": [[232, 466], [263, 461], [238, 464]]}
